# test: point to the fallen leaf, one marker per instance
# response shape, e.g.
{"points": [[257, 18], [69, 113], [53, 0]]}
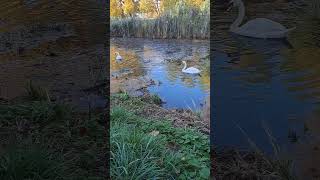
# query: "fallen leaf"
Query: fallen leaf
{"points": [[154, 133]]}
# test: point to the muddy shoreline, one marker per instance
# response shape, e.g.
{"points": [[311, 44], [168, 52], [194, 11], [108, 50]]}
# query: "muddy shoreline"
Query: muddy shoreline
{"points": [[136, 88]]}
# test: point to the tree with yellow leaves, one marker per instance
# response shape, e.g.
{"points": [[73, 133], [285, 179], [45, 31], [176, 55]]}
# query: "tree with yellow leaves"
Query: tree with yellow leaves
{"points": [[167, 5], [147, 6], [195, 3], [115, 8], [129, 7]]}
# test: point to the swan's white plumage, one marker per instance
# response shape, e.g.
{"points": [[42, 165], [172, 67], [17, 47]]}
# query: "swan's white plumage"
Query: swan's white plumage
{"points": [[190, 70], [258, 28], [118, 57]]}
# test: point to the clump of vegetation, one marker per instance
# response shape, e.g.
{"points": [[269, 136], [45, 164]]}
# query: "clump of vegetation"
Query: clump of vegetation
{"points": [[156, 99], [315, 8], [245, 164], [37, 93], [155, 149], [50, 140], [179, 19], [253, 164], [31, 162]]}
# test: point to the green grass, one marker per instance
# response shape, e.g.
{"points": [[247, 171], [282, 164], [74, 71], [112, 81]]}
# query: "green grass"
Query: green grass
{"points": [[31, 163], [36, 112], [171, 153], [41, 139], [156, 99]]}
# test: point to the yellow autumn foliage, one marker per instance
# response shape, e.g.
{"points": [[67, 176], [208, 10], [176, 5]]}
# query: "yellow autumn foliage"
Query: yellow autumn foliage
{"points": [[115, 8]]}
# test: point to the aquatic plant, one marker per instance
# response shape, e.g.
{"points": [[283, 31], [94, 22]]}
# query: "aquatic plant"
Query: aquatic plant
{"points": [[182, 22], [156, 99], [315, 8], [254, 163], [193, 108]]}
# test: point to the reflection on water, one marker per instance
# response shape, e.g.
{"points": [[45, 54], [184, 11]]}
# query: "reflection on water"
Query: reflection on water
{"points": [[160, 60], [269, 82], [52, 42]]}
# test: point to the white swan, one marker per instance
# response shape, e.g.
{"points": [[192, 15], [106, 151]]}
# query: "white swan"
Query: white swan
{"points": [[118, 57], [190, 70], [257, 28]]}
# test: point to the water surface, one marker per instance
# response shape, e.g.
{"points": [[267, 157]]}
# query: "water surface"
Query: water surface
{"points": [[266, 85], [161, 60], [58, 44]]}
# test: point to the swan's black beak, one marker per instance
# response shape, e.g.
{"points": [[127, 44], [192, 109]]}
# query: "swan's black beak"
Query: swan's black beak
{"points": [[230, 4]]}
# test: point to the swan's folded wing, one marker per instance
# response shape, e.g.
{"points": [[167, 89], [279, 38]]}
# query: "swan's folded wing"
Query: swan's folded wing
{"points": [[193, 70], [262, 25]]}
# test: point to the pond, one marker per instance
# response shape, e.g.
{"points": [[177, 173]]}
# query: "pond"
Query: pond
{"points": [[53, 43], [268, 86], [161, 61]]}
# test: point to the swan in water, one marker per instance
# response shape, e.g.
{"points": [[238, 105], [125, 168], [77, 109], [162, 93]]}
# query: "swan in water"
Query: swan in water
{"points": [[190, 70], [257, 28], [118, 57]]}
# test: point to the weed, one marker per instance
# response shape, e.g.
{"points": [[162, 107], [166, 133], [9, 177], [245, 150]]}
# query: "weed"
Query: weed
{"points": [[136, 153], [315, 8], [31, 163], [38, 112], [156, 99], [254, 164], [37, 93], [195, 110]]}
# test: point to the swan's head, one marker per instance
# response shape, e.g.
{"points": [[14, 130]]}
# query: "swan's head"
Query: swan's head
{"points": [[233, 3], [184, 62]]}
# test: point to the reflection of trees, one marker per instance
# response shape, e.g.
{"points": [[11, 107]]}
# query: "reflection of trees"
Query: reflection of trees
{"points": [[205, 76], [303, 62], [256, 58], [157, 56], [304, 66], [130, 61], [86, 17], [174, 71], [256, 69]]}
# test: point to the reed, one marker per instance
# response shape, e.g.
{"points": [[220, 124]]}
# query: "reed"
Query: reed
{"points": [[254, 164], [315, 8], [183, 22]]}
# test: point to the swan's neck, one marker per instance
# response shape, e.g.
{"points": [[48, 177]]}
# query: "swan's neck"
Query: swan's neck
{"points": [[185, 66], [240, 17]]}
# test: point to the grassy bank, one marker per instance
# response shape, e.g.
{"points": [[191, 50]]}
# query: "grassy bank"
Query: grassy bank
{"points": [[153, 148], [41, 139], [253, 163], [180, 23], [246, 164]]}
